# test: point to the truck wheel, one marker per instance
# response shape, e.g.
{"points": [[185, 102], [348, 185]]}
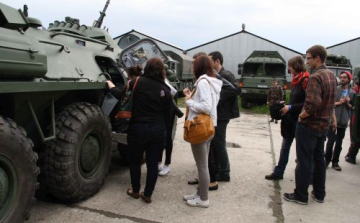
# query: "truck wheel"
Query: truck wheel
{"points": [[78, 160], [18, 172], [244, 103]]}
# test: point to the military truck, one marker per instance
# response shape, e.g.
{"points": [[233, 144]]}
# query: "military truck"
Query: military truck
{"points": [[337, 64], [257, 74], [52, 89], [181, 65]]}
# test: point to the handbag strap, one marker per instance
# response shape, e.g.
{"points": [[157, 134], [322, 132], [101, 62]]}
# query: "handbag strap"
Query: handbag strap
{"points": [[128, 83], [192, 94]]}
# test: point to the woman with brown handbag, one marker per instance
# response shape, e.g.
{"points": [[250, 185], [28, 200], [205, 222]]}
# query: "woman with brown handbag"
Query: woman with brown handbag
{"points": [[204, 100]]}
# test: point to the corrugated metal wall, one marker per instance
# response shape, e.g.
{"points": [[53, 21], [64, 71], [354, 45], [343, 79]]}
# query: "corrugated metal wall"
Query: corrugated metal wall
{"points": [[349, 49], [235, 49]]}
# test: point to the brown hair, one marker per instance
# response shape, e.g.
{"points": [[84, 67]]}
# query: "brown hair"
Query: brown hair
{"points": [[155, 68], [297, 63], [134, 71], [203, 65], [318, 50], [196, 55]]}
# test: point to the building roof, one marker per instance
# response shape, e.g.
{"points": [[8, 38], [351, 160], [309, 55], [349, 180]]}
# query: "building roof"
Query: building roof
{"points": [[244, 32], [342, 43], [133, 30]]}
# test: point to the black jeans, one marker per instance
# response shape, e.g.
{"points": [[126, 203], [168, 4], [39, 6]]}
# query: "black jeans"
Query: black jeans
{"points": [[337, 139], [148, 137], [310, 155], [219, 164], [169, 143]]}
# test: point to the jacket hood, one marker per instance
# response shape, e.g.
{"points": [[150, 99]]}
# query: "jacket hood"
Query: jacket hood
{"points": [[215, 83]]}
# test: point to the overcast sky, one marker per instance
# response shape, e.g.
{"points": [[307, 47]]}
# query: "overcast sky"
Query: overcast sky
{"points": [[296, 24]]}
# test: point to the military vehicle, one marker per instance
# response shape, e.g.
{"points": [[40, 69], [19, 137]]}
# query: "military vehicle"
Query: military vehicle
{"points": [[257, 74], [52, 88], [182, 67], [337, 64], [179, 65]]}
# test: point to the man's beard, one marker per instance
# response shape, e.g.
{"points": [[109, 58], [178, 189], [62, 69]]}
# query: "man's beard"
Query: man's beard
{"points": [[343, 84]]}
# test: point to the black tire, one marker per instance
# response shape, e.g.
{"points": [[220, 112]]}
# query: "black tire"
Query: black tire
{"points": [[77, 162], [18, 172], [244, 103]]}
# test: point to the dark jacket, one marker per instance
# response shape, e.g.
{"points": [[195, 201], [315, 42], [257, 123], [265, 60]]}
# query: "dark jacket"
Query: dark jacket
{"points": [[289, 121], [228, 107], [152, 101]]}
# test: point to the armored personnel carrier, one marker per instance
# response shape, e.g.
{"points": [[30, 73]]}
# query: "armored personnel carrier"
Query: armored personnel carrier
{"points": [[257, 74], [52, 91]]}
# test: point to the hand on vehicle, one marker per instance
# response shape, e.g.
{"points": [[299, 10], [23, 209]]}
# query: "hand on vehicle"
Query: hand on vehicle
{"points": [[110, 84]]}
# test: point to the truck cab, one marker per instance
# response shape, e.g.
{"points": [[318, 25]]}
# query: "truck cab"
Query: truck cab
{"points": [[257, 74]]}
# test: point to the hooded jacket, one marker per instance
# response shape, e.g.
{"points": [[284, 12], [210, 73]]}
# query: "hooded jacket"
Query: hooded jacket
{"points": [[206, 98]]}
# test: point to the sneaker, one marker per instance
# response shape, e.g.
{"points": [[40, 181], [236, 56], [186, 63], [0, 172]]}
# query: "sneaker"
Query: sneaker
{"points": [[190, 197], [197, 202], [350, 160], [165, 170], [316, 199], [336, 166], [273, 176], [160, 167], [292, 198]]}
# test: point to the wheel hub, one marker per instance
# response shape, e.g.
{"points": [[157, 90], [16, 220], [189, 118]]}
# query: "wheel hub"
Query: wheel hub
{"points": [[90, 155], [4, 187]]}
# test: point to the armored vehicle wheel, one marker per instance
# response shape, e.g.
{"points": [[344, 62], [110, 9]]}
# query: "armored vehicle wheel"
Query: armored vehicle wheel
{"points": [[18, 172], [78, 160]]}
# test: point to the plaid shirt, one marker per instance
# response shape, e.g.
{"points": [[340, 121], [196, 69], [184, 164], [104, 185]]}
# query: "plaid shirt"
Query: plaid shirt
{"points": [[320, 98]]}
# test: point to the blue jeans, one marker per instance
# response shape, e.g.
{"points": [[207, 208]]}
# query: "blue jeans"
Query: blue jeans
{"points": [[148, 137], [310, 155], [284, 156], [219, 159]]}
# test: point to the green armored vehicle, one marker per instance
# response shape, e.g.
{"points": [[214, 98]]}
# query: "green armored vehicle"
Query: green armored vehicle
{"points": [[55, 116], [337, 64], [257, 74]]}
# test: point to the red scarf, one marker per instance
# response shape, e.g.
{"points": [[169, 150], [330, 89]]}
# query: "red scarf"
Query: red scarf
{"points": [[298, 78]]}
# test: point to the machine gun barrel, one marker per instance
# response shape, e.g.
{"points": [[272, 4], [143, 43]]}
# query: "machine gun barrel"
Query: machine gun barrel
{"points": [[99, 22]]}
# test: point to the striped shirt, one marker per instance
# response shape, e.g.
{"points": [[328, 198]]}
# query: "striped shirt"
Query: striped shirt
{"points": [[320, 98]]}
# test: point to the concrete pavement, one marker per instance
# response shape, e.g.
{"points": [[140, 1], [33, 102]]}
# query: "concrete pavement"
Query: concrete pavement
{"points": [[253, 147]]}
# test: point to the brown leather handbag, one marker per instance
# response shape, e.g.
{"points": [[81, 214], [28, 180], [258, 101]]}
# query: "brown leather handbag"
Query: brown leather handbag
{"points": [[198, 130]]}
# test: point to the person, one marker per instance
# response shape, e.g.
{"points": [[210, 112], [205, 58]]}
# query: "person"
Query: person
{"points": [[132, 72], [343, 107], [275, 95], [165, 169], [205, 99], [354, 146], [151, 117], [311, 129], [227, 109], [290, 113]]}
